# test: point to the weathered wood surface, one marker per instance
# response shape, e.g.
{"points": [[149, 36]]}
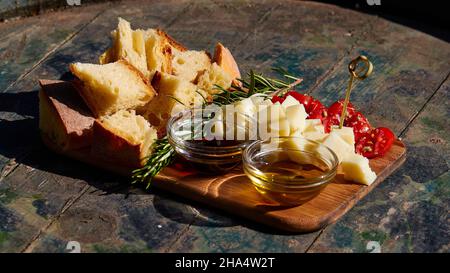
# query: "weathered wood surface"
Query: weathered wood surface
{"points": [[47, 200]]}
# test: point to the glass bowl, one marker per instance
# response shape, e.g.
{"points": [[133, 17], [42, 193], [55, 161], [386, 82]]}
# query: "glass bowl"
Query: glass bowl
{"points": [[186, 133], [289, 171]]}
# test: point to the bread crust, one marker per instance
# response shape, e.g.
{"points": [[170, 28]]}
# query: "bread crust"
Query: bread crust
{"points": [[171, 40], [84, 155], [72, 115], [114, 148], [224, 58]]}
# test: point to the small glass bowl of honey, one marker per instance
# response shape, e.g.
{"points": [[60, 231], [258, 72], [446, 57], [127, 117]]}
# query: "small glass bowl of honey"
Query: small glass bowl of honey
{"points": [[187, 133], [289, 171]]}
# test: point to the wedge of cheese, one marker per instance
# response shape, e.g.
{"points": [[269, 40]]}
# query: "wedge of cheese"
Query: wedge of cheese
{"points": [[290, 101], [356, 168], [346, 133], [341, 148]]}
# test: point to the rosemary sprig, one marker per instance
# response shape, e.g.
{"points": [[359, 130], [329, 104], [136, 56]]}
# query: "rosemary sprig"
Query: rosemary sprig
{"points": [[163, 153]]}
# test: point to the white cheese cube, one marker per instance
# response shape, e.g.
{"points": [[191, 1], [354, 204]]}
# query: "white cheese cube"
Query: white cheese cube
{"points": [[316, 136], [246, 107], [296, 116], [338, 145], [257, 98], [279, 128], [298, 150], [356, 168], [296, 133], [290, 101], [346, 133], [314, 125]]}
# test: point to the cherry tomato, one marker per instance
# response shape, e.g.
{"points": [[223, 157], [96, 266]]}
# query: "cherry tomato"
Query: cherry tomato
{"points": [[335, 110], [359, 123], [318, 111], [276, 99], [375, 143], [329, 122]]}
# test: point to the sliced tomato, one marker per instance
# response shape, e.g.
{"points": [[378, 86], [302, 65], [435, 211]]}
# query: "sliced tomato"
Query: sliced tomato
{"points": [[359, 123], [335, 110], [276, 99], [329, 122], [375, 143], [334, 114]]}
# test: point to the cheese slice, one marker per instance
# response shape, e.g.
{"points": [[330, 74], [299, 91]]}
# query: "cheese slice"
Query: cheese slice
{"points": [[356, 168], [296, 116], [338, 145]]}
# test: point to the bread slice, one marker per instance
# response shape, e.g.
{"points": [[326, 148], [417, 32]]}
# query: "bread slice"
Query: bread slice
{"points": [[224, 58], [112, 87], [214, 75], [64, 118], [187, 64], [129, 45], [123, 138], [174, 95]]}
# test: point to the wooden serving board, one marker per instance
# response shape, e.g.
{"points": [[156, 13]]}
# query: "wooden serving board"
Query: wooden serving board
{"points": [[234, 193]]}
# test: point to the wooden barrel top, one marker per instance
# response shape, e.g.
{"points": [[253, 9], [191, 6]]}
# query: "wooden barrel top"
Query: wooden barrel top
{"points": [[47, 200]]}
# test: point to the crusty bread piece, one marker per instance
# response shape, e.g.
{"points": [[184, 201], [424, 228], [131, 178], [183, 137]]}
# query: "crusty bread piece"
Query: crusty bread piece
{"points": [[129, 45], [174, 95], [223, 57], [112, 87], [148, 50], [187, 64], [214, 75], [64, 118], [158, 51], [123, 138]]}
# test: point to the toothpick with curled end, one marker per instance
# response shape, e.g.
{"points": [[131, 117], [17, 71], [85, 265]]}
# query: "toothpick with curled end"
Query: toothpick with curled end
{"points": [[361, 74]]}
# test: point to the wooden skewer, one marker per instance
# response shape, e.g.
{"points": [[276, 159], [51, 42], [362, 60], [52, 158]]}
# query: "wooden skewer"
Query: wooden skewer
{"points": [[367, 70]]}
